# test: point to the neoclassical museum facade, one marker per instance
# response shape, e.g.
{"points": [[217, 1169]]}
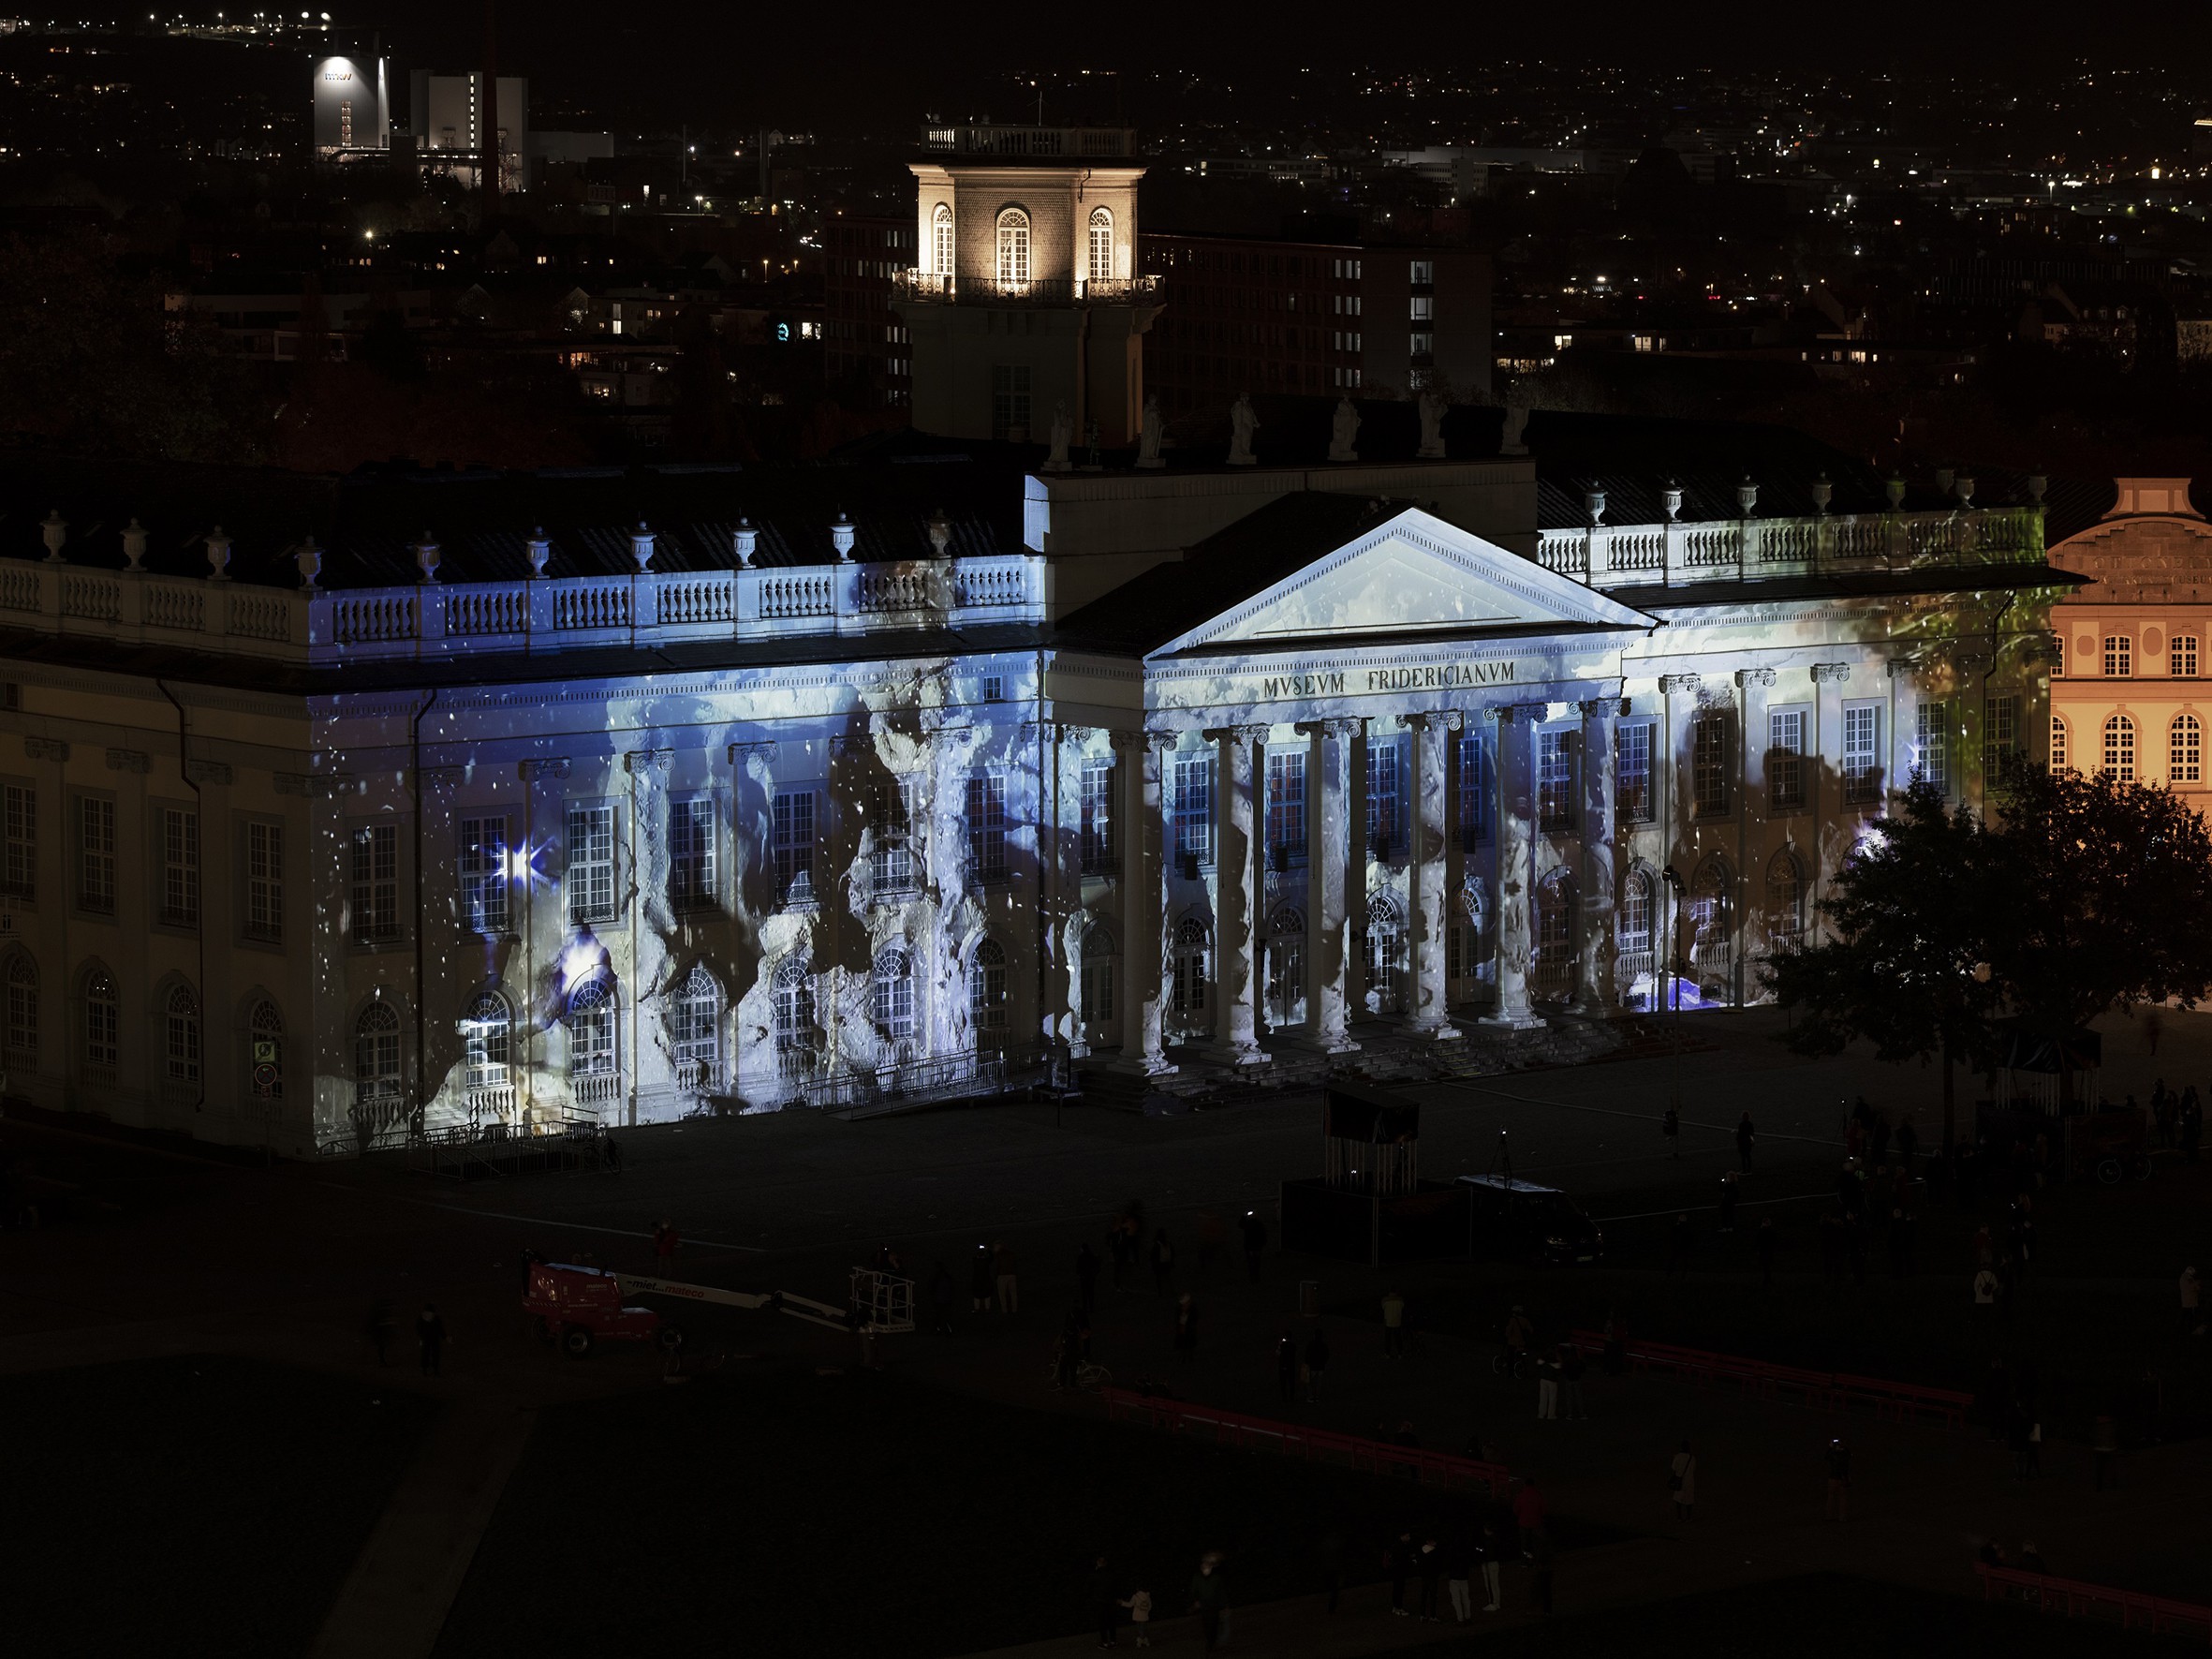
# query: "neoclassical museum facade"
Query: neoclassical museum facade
{"points": [[620, 798]]}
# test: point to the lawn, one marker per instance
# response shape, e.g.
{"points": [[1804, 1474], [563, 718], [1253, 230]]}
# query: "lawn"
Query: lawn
{"points": [[190, 1505], [1820, 1616], [794, 1514]]}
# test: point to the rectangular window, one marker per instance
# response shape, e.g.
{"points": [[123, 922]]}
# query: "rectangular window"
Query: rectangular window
{"points": [[691, 855], [987, 826], [1477, 788], [375, 882], [589, 877], [1422, 272], [1194, 812], [1632, 792], [1557, 812], [19, 840], [1862, 752], [2119, 656], [1385, 798], [264, 881], [795, 846], [2181, 657], [1009, 401], [1423, 309], [1097, 818], [1286, 808], [1785, 760], [2000, 736], [890, 852], [1709, 767], [483, 874], [96, 855], [1931, 752]]}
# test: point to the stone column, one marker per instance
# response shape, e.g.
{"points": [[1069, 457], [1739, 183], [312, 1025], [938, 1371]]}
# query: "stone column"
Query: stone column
{"points": [[1143, 901], [1237, 1003], [1599, 878], [752, 890], [1328, 857], [646, 1067], [1516, 821], [1425, 873]]}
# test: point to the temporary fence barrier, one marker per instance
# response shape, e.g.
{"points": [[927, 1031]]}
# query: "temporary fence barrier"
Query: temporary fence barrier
{"points": [[1235, 1429], [1759, 1376], [2074, 1597]]}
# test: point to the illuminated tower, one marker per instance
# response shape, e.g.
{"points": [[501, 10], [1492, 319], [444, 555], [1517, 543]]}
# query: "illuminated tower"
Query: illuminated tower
{"points": [[1025, 298]]}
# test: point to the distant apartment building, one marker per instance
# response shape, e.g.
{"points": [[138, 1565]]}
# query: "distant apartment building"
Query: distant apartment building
{"points": [[1266, 316], [869, 353]]}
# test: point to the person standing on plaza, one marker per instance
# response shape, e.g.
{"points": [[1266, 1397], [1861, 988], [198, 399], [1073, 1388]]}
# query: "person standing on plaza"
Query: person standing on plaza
{"points": [[1105, 1603], [1255, 1232], [1429, 1563], [1682, 1480], [1329, 1558], [1087, 1277], [1393, 1323], [1839, 1481], [1529, 1512], [1206, 1598], [1286, 1366], [1490, 1556], [979, 1280], [1163, 1261], [1187, 1329], [1005, 1273], [1547, 1384], [1459, 1555], [1765, 1238], [1316, 1364], [1745, 1138], [383, 1322], [1398, 1558], [430, 1335], [1671, 1126], [1138, 1603]]}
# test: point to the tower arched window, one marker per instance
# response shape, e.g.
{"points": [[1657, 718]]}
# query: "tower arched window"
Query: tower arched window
{"points": [[264, 1030], [486, 1039], [792, 989], [941, 240], [1013, 248], [2058, 751], [22, 1011], [895, 1003], [593, 1028], [1785, 901], [1191, 967], [2119, 749], [103, 1020], [694, 1013], [2185, 744], [986, 988], [376, 1066], [1101, 264], [180, 1035]]}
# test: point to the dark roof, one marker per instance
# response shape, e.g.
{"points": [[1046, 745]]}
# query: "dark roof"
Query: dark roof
{"points": [[1221, 572], [369, 522]]}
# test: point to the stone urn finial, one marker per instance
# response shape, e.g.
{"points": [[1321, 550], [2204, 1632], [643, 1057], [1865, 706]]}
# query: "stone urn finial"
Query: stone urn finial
{"points": [[427, 557], [134, 544], [940, 532], [307, 557], [218, 557], [1822, 492], [841, 537], [641, 547], [538, 550], [744, 541], [54, 529]]}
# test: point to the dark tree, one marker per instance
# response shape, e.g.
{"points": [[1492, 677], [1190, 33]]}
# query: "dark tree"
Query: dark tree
{"points": [[1906, 965]]}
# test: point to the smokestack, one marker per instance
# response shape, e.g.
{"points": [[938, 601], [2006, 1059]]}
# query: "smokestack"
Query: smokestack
{"points": [[488, 167]]}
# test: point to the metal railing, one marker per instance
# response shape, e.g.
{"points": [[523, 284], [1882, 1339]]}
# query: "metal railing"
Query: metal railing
{"points": [[915, 1082], [997, 138], [1770, 549], [940, 289]]}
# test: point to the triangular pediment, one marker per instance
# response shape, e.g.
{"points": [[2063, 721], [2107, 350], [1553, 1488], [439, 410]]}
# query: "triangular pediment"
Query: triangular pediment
{"points": [[1413, 574]]}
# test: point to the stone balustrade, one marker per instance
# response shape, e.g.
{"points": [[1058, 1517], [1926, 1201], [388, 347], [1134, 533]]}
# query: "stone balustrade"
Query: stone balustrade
{"points": [[1680, 553], [548, 614]]}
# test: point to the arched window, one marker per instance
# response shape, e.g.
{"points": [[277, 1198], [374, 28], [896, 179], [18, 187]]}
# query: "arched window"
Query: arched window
{"points": [[1379, 953], [376, 1066], [1639, 908], [22, 1011], [1785, 901], [1100, 960], [103, 1020], [486, 1033], [792, 988], [2059, 762], [1013, 248], [1101, 245], [1711, 924], [941, 240], [264, 1030], [1191, 967], [1286, 967], [2185, 744], [986, 988], [1554, 965], [180, 1035], [693, 1011], [895, 1003], [2119, 749], [592, 1028]]}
